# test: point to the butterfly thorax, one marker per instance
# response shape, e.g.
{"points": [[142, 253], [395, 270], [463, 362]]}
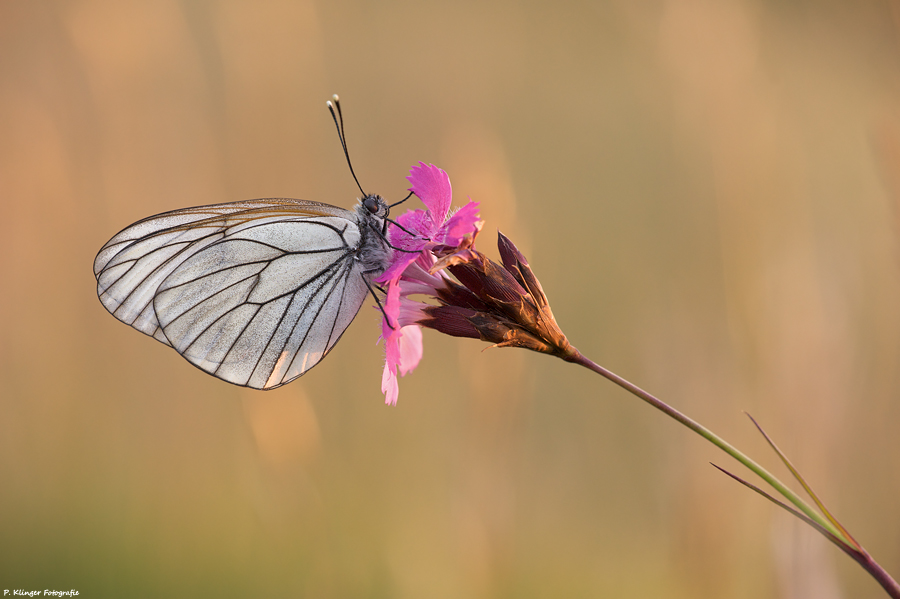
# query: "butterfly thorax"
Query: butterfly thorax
{"points": [[374, 252]]}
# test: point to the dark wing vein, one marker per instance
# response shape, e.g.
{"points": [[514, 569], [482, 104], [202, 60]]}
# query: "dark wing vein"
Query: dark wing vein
{"points": [[333, 267], [166, 262], [134, 262], [341, 279], [255, 293]]}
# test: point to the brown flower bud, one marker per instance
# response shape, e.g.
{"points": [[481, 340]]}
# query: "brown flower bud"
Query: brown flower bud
{"points": [[504, 305]]}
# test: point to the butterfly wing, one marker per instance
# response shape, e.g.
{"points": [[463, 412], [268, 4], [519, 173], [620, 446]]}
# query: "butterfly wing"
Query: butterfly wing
{"points": [[255, 293]]}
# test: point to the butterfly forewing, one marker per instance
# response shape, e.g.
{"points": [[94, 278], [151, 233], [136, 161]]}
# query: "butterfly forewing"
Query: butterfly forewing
{"points": [[255, 293]]}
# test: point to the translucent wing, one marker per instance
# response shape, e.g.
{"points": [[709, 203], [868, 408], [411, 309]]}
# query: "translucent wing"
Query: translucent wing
{"points": [[255, 293]]}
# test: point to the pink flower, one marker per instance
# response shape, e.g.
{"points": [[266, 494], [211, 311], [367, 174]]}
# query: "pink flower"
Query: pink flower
{"points": [[425, 231], [431, 227]]}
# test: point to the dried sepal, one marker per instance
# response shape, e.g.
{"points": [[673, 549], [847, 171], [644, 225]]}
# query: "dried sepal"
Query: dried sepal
{"points": [[505, 305]]}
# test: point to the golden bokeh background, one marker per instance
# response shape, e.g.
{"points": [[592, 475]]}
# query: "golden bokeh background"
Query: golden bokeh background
{"points": [[707, 189]]}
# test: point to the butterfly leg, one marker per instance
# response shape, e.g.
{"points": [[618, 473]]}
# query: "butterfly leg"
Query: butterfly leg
{"points": [[383, 235], [372, 291]]}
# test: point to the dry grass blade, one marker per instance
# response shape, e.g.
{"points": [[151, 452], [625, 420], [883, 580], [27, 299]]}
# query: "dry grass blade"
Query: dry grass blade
{"points": [[805, 485], [851, 551]]}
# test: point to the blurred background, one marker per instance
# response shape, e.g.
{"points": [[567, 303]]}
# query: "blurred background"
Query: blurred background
{"points": [[707, 189]]}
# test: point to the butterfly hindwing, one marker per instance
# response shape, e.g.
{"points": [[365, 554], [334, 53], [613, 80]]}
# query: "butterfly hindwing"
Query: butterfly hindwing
{"points": [[255, 293]]}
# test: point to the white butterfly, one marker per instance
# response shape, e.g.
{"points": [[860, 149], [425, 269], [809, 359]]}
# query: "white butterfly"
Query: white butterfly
{"points": [[256, 292]]}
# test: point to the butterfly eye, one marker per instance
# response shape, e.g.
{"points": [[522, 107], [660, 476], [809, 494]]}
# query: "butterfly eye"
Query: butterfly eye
{"points": [[372, 205]]}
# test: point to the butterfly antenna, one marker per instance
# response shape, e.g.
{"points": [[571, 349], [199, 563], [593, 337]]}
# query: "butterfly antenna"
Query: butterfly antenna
{"points": [[400, 202], [334, 105]]}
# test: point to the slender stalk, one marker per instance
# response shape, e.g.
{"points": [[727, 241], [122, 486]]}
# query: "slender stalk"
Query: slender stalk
{"points": [[707, 434], [850, 546], [880, 574]]}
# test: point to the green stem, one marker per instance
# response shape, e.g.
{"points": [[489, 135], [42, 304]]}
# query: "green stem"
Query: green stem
{"points": [[577, 358], [851, 547]]}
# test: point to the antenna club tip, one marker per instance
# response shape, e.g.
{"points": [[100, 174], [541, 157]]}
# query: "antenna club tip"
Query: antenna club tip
{"points": [[335, 98]]}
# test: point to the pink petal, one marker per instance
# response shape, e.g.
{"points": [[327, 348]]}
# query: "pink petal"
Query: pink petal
{"points": [[389, 386], [459, 225], [393, 352], [432, 185], [401, 261], [410, 348], [418, 222], [391, 310]]}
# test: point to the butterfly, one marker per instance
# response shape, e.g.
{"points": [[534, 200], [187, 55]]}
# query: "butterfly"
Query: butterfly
{"points": [[255, 292]]}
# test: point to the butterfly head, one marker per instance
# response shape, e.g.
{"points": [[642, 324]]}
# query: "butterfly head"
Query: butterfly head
{"points": [[376, 206]]}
